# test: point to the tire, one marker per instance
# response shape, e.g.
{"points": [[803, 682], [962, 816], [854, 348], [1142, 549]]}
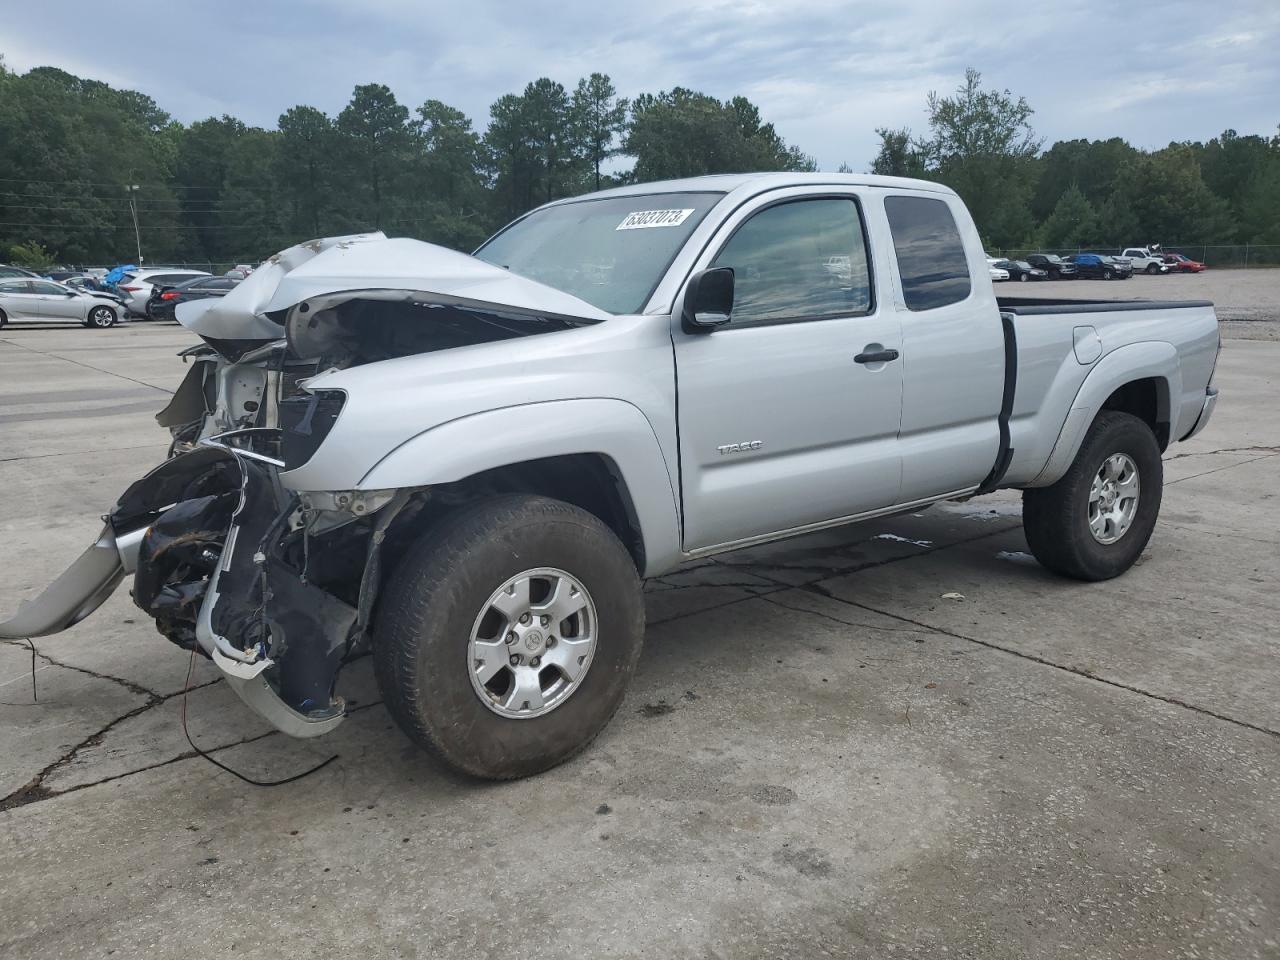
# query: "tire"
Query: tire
{"points": [[1023, 277], [437, 600], [3, 319], [100, 318], [1056, 519], [1107, 274], [1152, 269]]}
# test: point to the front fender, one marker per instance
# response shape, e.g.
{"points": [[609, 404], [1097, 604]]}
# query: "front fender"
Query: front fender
{"points": [[496, 438], [1138, 361]]}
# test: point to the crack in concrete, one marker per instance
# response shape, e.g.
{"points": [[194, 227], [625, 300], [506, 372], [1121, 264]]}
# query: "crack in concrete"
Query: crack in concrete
{"points": [[34, 789], [77, 453], [127, 684], [1210, 453], [1044, 661], [1230, 466], [35, 792]]}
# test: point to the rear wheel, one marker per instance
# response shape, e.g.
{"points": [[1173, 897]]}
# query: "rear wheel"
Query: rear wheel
{"points": [[3, 318], [506, 638], [1094, 523]]}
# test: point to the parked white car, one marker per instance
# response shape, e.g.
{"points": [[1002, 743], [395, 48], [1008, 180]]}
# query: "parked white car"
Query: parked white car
{"points": [[997, 273], [1145, 260], [136, 286], [45, 300]]}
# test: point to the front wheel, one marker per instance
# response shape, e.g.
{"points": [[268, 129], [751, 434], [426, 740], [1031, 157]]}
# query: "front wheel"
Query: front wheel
{"points": [[1023, 278], [1152, 269], [1106, 274], [100, 318], [1094, 523], [508, 634]]}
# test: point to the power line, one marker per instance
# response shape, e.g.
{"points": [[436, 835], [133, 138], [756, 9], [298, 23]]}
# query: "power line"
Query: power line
{"points": [[120, 185], [145, 229], [125, 209]]}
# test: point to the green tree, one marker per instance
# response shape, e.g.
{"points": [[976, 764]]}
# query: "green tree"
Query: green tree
{"points": [[898, 155], [981, 144], [31, 255], [602, 116], [683, 133], [1092, 165], [375, 143], [1073, 222], [1162, 198], [1260, 204], [453, 195], [303, 166]]}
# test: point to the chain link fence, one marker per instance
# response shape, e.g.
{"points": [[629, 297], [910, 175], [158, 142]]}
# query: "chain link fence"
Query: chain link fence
{"points": [[1220, 255]]}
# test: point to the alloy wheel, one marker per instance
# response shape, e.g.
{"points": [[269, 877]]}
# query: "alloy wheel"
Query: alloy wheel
{"points": [[1113, 498], [532, 643]]}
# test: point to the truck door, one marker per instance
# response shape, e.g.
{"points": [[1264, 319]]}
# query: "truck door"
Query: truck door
{"points": [[789, 413], [953, 356]]}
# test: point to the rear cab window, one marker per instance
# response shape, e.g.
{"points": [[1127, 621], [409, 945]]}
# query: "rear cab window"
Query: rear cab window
{"points": [[930, 253]]}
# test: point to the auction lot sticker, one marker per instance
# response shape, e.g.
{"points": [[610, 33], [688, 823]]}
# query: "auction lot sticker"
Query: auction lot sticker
{"points": [[642, 219]]}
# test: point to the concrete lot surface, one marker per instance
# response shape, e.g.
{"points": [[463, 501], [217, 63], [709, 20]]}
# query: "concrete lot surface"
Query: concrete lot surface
{"points": [[821, 756]]}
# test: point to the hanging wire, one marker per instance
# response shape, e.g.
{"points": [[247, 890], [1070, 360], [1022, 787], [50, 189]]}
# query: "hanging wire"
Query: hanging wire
{"points": [[186, 688]]}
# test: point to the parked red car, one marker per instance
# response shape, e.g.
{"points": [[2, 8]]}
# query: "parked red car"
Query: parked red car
{"points": [[1178, 262]]}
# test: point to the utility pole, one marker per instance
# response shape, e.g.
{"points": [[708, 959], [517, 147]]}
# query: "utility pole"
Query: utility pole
{"points": [[132, 190]]}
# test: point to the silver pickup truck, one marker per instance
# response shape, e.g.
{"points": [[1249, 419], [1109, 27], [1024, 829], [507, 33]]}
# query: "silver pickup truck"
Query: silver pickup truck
{"points": [[468, 464]]}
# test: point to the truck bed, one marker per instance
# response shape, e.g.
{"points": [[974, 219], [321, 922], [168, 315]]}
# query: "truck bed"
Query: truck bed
{"points": [[1175, 341]]}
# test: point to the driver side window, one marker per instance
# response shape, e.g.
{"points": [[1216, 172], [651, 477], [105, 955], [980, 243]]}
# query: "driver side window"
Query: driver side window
{"points": [[799, 260]]}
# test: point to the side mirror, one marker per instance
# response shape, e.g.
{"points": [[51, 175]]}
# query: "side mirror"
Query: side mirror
{"points": [[708, 300]]}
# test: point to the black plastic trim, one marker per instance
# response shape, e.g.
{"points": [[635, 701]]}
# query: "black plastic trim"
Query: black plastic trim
{"points": [[1030, 306], [1004, 455]]}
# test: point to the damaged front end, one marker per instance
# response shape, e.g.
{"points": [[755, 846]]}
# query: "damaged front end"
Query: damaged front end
{"points": [[233, 566], [276, 585]]}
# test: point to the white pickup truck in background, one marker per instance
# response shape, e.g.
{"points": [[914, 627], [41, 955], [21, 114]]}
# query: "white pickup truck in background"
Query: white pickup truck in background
{"points": [[1146, 259], [469, 463]]}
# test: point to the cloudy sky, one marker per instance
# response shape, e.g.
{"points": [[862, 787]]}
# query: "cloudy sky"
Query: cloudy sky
{"points": [[827, 74]]}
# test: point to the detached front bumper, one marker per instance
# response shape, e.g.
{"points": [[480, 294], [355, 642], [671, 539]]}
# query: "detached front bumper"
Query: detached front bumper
{"points": [[80, 589], [205, 535]]}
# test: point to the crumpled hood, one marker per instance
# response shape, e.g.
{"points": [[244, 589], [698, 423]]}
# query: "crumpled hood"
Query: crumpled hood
{"points": [[370, 262]]}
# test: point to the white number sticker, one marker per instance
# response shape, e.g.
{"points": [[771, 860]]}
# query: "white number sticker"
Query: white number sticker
{"points": [[643, 219]]}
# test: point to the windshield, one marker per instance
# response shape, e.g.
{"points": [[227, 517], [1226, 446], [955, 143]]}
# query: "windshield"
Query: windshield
{"points": [[609, 252]]}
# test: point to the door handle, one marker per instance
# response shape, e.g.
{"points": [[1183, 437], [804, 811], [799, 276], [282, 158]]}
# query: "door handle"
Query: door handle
{"points": [[877, 356]]}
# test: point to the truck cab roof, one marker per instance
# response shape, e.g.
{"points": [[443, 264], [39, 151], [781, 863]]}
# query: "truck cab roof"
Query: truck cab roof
{"points": [[749, 184]]}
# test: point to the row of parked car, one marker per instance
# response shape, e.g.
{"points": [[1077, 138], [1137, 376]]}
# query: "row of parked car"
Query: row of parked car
{"points": [[103, 299], [1092, 266]]}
